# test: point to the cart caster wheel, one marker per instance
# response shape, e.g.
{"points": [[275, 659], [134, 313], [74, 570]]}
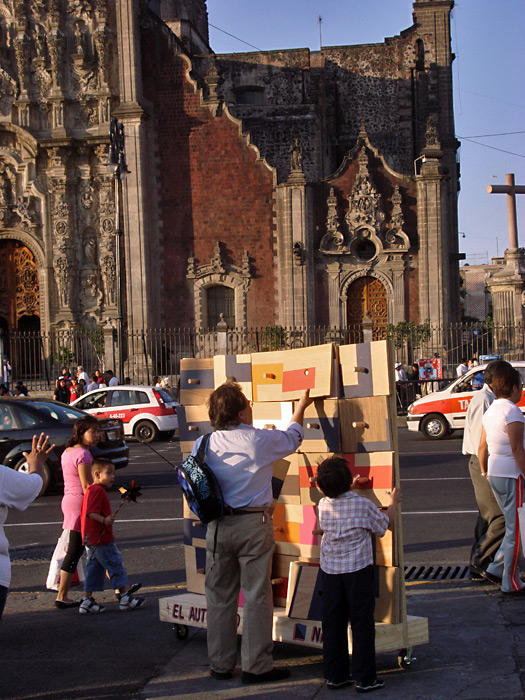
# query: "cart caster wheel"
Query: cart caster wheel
{"points": [[405, 658], [181, 631]]}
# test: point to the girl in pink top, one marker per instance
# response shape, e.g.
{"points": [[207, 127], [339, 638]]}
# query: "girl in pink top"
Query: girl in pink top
{"points": [[76, 469]]}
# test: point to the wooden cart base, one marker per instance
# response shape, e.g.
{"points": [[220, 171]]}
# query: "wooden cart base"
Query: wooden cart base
{"points": [[189, 610]]}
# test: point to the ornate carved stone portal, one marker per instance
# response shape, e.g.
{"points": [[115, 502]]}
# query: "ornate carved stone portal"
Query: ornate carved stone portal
{"points": [[19, 286]]}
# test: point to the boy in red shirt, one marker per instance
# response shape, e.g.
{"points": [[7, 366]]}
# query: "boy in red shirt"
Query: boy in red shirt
{"points": [[102, 553]]}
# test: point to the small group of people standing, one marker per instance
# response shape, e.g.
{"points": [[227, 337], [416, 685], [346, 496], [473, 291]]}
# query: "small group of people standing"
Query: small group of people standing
{"points": [[494, 438], [239, 549], [68, 388]]}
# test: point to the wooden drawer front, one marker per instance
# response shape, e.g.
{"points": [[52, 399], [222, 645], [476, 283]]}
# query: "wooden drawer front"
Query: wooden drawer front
{"points": [[193, 422], [196, 380], [275, 415], [367, 427], [321, 427], [366, 369], [234, 368], [285, 374]]}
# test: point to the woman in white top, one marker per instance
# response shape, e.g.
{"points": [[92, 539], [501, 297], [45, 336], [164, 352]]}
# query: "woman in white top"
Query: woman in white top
{"points": [[502, 460]]}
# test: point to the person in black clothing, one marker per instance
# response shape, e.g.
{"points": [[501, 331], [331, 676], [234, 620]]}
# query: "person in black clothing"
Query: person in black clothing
{"points": [[414, 387], [62, 392]]}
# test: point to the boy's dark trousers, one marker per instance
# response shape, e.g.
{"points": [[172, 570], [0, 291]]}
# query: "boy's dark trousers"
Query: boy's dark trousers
{"points": [[349, 596]]}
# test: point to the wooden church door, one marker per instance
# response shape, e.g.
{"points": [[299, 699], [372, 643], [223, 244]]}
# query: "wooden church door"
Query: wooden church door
{"points": [[367, 294]]}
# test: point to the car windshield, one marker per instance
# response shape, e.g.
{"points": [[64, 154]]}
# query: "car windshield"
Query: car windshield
{"points": [[62, 414]]}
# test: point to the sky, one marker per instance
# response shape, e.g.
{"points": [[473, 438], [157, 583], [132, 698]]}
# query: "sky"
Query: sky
{"points": [[488, 75]]}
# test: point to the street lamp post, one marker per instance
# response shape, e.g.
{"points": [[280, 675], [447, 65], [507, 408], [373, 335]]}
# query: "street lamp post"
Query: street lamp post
{"points": [[117, 165]]}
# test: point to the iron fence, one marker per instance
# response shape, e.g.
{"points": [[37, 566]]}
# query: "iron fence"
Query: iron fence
{"points": [[37, 358]]}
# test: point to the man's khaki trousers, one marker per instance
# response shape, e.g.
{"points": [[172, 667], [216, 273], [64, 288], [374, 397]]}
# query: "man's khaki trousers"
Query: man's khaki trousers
{"points": [[243, 556]]}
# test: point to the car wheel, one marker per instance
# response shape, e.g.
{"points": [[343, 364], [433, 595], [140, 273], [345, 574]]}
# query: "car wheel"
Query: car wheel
{"points": [[146, 431], [435, 427], [22, 466]]}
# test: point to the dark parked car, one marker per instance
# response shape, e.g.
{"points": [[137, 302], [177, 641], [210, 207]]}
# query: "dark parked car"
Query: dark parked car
{"points": [[21, 418]]}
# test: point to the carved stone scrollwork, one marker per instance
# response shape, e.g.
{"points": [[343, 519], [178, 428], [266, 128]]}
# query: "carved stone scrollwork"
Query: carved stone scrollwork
{"points": [[7, 92], [333, 240], [217, 262], [364, 200], [395, 236]]}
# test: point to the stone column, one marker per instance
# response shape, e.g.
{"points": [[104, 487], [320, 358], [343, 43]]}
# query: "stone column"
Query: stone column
{"points": [[294, 254], [433, 256], [507, 287], [138, 305]]}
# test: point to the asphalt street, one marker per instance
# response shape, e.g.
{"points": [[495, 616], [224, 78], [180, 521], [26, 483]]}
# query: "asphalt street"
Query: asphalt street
{"points": [[59, 655]]}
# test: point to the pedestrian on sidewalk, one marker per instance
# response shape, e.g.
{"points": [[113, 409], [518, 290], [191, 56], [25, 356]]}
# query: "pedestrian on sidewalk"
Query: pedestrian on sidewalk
{"points": [[348, 522], [240, 545], [490, 525], [18, 490], [502, 460], [102, 553]]}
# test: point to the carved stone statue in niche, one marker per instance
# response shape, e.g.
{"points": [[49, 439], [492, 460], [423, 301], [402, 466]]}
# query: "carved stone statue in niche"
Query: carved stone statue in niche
{"points": [[108, 269], [90, 251], [64, 280], [296, 156], [7, 184]]}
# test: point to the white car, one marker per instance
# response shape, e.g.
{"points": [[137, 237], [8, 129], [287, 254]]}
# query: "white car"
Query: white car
{"points": [[147, 413], [440, 413]]}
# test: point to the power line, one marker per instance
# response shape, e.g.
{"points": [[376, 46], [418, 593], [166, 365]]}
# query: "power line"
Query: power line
{"points": [[493, 148], [495, 99], [483, 136], [235, 37]]}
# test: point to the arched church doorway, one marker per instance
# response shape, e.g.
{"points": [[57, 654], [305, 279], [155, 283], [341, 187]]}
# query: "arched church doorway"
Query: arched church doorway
{"points": [[367, 294], [19, 306]]}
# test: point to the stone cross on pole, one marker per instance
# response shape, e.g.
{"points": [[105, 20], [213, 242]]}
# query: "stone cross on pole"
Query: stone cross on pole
{"points": [[511, 190]]}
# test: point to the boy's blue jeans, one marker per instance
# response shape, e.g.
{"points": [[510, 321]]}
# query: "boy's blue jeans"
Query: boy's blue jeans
{"points": [[349, 597], [106, 558]]}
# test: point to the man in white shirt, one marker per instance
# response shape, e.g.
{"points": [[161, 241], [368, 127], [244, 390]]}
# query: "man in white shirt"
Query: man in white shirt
{"points": [[461, 368], [82, 374], [490, 525], [17, 490], [241, 544], [111, 380]]}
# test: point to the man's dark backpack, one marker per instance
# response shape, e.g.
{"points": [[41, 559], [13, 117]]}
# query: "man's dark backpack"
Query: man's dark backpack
{"points": [[200, 486]]}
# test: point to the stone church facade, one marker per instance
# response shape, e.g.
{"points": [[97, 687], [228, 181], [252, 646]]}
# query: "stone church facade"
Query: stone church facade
{"points": [[275, 188]]}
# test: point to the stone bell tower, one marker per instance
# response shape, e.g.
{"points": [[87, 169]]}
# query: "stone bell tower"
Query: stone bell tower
{"points": [[187, 19]]}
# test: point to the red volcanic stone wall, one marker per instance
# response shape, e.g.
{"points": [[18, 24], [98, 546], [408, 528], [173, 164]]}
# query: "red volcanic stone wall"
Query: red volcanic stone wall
{"points": [[211, 189]]}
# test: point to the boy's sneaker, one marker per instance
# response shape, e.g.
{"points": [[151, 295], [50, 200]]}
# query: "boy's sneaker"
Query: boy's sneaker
{"points": [[335, 685], [131, 590], [375, 685], [89, 606], [128, 602]]}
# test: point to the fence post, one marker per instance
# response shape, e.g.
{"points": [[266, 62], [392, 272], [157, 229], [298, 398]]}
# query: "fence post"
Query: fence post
{"points": [[109, 345], [222, 338], [367, 328]]}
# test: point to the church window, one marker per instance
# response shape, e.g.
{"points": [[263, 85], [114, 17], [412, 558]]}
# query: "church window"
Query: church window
{"points": [[364, 249], [250, 96], [221, 300]]}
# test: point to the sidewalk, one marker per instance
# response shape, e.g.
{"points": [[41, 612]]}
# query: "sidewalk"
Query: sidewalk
{"points": [[476, 651]]}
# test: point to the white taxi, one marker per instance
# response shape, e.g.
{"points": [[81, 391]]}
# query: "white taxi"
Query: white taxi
{"points": [[148, 413], [440, 413]]}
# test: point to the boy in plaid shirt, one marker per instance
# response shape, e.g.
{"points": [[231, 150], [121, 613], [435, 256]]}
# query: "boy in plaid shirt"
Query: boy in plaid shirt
{"points": [[348, 522]]}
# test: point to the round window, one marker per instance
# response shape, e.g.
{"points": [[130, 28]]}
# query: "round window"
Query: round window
{"points": [[364, 249]]}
